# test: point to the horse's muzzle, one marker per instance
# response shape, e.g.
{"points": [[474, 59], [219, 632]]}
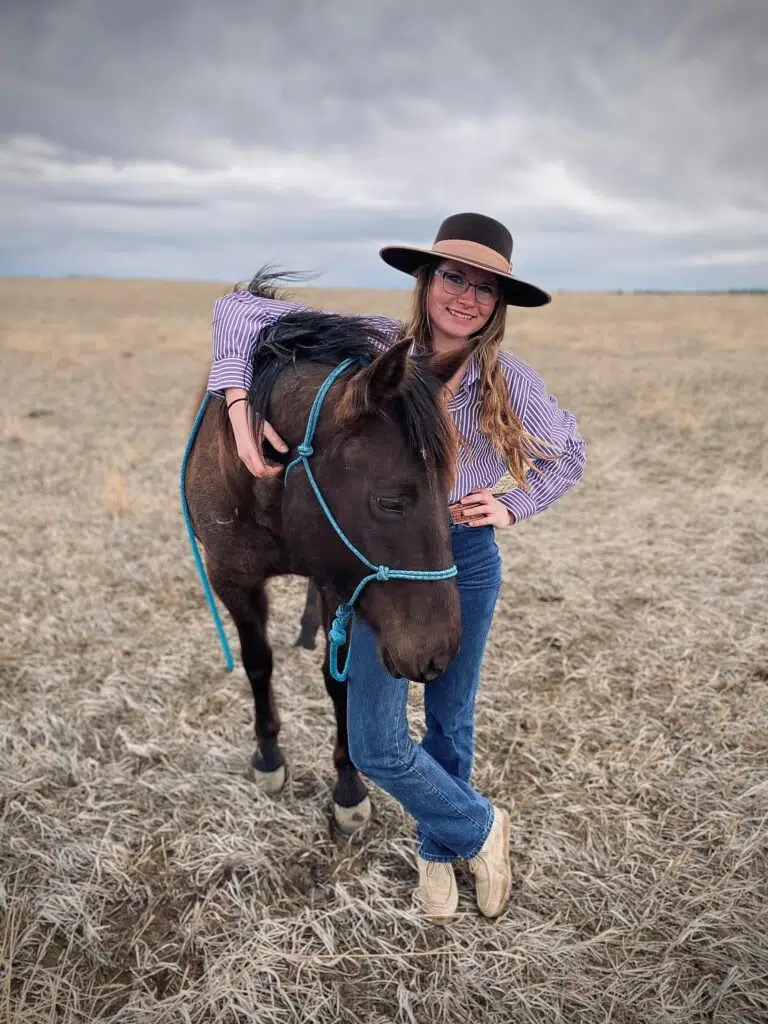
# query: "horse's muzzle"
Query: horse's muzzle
{"points": [[423, 670]]}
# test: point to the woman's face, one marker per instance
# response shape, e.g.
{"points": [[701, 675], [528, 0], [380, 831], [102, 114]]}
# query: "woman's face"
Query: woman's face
{"points": [[459, 316]]}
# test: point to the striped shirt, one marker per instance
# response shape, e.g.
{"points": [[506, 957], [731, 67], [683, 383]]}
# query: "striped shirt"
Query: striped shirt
{"points": [[238, 318]]}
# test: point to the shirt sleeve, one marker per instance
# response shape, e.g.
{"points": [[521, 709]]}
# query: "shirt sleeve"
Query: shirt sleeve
{"points": [[237, 320], [391, 331], [543, 417]]}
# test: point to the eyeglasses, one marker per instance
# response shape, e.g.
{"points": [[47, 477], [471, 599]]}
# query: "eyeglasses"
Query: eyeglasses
{"points": [[456, 284]]}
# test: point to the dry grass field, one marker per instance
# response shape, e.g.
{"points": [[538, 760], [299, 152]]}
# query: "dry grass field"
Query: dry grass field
{"points": [[623, 712]]}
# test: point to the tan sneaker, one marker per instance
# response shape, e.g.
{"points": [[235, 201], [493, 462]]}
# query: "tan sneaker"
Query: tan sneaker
{"points": [[437, 890], [491, 868]]}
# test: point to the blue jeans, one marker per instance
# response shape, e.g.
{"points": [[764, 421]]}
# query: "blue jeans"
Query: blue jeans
{"points": [[431, 778]]}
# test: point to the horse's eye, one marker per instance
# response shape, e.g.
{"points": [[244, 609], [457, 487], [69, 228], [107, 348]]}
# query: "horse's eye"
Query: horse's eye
{"points": [[391, 505]]}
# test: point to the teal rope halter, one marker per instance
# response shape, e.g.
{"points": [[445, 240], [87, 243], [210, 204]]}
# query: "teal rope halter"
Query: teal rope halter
{"points": [[337, 634]]}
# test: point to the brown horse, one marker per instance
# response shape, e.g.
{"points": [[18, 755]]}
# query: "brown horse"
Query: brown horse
{"points": [[384, 450]]}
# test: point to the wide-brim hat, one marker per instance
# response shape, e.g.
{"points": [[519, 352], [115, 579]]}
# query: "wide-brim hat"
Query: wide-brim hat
{"points": [[474, 239]]}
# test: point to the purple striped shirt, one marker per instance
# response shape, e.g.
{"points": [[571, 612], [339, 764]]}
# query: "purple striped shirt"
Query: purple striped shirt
{"points": [[238, 318]]}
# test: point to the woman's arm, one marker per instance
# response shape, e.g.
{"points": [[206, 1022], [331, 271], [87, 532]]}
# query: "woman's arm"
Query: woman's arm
{"points": [[247, 448], [543, 417], [237, 320]]}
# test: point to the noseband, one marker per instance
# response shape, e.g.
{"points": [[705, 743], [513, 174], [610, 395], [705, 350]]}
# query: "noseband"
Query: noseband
{"points": [[337, 635]]}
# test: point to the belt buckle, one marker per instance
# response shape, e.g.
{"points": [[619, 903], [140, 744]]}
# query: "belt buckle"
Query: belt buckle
{"points": [[458, 514]]}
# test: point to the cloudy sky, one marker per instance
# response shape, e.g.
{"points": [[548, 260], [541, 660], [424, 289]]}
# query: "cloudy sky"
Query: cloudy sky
{"points": [[623, 144]]}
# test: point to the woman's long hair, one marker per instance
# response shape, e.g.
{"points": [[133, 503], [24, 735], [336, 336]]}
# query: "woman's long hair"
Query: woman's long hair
{"points": [[498, 420]]}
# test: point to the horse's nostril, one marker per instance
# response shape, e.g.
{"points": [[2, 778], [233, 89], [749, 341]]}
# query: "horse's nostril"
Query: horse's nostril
{"points": [[417, 670], [436, 666]]}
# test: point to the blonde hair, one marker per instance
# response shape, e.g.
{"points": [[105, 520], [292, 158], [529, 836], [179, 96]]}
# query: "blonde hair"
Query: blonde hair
{"points": [[498, 420]]}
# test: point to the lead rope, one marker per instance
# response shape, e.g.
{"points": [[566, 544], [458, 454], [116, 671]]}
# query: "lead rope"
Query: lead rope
{"points": [[193, 539]]}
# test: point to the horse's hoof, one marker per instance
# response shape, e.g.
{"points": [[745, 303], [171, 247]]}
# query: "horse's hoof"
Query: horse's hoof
{"points": [[350, 819], [269, 782]]}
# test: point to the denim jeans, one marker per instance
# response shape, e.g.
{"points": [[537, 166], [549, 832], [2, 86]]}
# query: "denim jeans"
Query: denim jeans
{"points": [[431, 778]]}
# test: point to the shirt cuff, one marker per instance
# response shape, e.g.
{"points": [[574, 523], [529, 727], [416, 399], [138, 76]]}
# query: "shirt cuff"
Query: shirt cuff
{"points": [[520, 504], [229, 372]]}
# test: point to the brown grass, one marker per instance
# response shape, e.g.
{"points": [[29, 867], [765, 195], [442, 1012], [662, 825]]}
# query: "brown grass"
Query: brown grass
{"points": [[624, 706]]}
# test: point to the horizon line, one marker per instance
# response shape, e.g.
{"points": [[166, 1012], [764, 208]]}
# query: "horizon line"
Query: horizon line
{"points": [[733, 290]]}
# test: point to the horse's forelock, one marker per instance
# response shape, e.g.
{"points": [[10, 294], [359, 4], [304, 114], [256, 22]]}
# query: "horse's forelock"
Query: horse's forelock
{"points": [[418, 407]]}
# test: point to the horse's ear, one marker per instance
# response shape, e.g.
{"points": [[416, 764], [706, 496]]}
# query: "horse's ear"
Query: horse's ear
{"points": [[445, 366], [382, 380], [373, 387]]}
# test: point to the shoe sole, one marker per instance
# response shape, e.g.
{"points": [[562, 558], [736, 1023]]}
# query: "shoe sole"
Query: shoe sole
{"points": [[508, 886]]}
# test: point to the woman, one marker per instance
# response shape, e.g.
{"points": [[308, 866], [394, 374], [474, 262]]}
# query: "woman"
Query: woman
{"points": [[509, 424]]}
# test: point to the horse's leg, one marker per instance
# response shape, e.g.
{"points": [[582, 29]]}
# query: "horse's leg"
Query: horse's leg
{"points": [[248, 607], [310, 619], [351, 803]]}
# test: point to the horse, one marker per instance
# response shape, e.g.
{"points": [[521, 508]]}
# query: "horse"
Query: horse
{"points": [[382, 458], [311, 619]]}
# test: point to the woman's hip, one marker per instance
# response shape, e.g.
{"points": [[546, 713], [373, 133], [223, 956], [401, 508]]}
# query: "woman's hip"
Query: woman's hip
{"points": [[477, 557]]}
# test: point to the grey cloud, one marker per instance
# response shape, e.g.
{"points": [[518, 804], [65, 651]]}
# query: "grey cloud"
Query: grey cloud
{"points": [[97, 197], [104, 75], [655, 107]]}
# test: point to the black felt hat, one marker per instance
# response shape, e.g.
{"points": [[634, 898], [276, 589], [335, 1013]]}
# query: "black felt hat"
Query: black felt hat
{"points": [[474, 239]]}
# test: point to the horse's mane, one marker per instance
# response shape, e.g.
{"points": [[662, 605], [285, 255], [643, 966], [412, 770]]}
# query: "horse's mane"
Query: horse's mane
{"points": [[327, 339], [268, 282]]}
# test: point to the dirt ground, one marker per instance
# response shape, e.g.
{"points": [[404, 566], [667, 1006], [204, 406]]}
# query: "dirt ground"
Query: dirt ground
{"points": [[623, 713]]}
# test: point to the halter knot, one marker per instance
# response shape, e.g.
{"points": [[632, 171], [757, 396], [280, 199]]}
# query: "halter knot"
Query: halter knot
{"points": [[337, 634], [305, 450], [383, 573]]}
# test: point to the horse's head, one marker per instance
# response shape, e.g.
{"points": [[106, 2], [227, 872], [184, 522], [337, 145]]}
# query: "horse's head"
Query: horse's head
{"points": [[384, 451]]}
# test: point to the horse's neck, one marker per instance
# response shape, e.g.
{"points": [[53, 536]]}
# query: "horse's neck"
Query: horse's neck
{"points": [[296, 390]]}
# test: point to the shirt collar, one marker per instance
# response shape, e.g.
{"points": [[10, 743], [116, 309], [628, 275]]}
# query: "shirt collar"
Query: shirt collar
{"points": [[473, 372]]}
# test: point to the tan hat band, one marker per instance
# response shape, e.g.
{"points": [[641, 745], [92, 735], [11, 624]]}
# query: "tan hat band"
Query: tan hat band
{"points": [[460, 249]]}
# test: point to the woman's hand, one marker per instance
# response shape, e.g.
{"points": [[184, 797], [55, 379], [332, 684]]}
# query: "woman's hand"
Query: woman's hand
{"points": [[247, 449], [253, 458], [480, 508]]}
